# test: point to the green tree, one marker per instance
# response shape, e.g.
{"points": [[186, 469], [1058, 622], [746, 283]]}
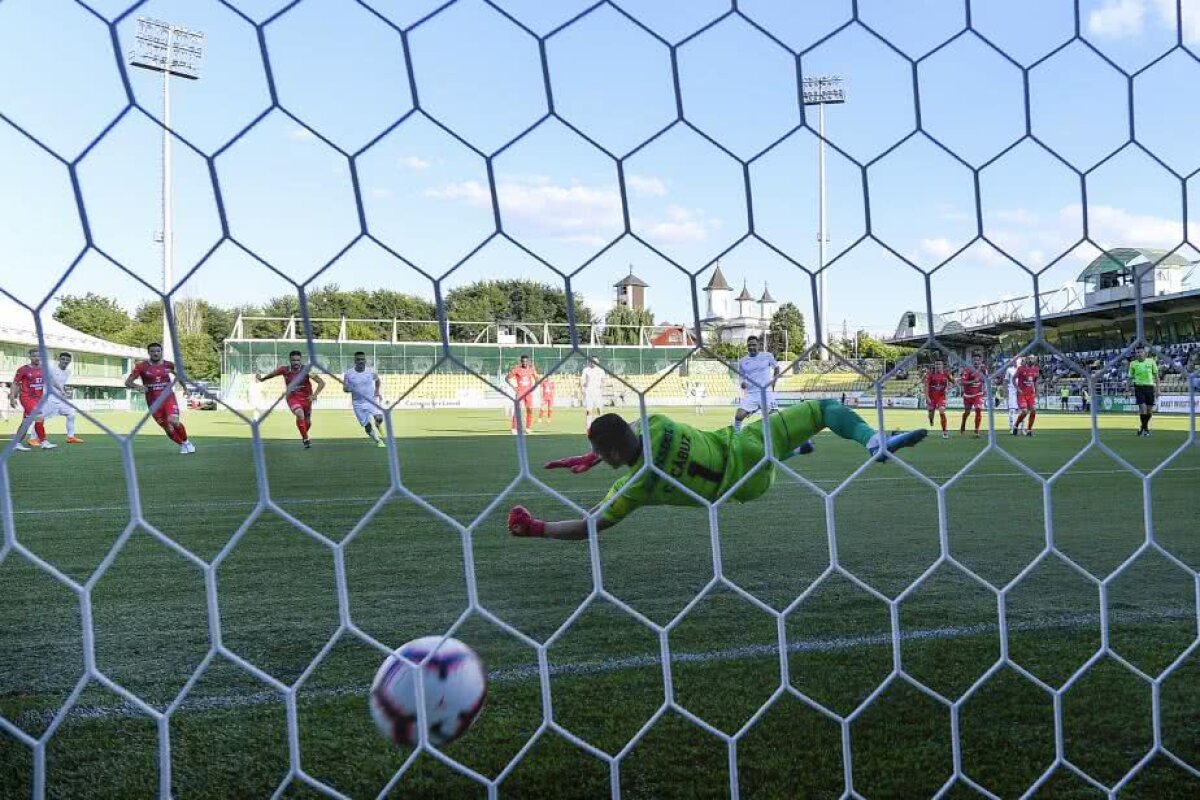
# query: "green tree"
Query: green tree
{"points": [[332, 303], [520, 301], [92, 314], [787, 329], [863, 345], [625, 316], [727, 351]]}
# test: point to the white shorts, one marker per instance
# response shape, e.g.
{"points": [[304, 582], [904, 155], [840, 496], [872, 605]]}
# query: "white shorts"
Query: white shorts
{"points": [[1013, 403], [752, 401], [364, 412], [56, 407], [593, 400]]}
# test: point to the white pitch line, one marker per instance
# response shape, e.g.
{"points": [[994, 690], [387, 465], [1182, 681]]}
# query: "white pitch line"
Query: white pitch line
{"points": [[32, 720], [304, 501]]}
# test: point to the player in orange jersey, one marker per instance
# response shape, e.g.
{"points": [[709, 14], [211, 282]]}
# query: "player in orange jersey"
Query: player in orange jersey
{"points": [[547, 409], [1027, 378], [936, 381], [971, 380], [522, 378]]}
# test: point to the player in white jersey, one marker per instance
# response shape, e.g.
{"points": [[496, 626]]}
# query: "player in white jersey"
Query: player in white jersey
{"points": [[363, 385], [1010, 383], [56, 404], [757, 371], [591, 386]]}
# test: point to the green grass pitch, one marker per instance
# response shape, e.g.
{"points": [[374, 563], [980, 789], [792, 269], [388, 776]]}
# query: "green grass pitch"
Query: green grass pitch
{"points": [[278, 607]]}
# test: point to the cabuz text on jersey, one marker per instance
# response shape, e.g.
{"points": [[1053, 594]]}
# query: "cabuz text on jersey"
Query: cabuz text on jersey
{"points": [[156, 377], [360, 384], [757, 370]]}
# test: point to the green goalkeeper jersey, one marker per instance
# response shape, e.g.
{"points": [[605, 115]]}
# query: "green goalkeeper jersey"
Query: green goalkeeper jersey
{"points": [[709, 462], [699, 460]]}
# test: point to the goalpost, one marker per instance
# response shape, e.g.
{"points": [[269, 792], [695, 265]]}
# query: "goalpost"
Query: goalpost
{"points": [[669, 658]]}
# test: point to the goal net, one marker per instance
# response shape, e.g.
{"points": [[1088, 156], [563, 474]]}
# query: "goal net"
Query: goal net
{"points": [[1008, 609]]}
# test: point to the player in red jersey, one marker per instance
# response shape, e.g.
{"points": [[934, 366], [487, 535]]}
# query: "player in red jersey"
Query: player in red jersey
{"points": [[547, 408], [158, 380], [300, 395], [936, 381], [522, 378], [1027, 378], [28, 387], [971, 381]]}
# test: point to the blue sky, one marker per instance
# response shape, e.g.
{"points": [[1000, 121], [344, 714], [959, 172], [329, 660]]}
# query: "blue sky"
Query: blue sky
{"points": [[340, 71]]}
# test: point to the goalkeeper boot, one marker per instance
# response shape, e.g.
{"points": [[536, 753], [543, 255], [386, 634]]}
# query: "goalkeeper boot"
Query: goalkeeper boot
{"points": [[894, 442], [804, 449]]}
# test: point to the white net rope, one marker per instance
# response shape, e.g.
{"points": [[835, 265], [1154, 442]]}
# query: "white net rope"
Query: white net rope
{"points": [[14, 548]]}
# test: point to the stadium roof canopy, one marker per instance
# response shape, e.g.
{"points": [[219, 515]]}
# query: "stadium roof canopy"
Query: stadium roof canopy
{"points": [[16, 326], [955, 334], [1122, 258]]}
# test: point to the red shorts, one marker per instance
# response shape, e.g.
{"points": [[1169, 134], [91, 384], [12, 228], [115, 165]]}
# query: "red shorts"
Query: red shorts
{"points": [[302, 403], [973, 403], [169, 408], [1027, 401], [526, 398], [936, 402], [29, 404], [547, 399]]}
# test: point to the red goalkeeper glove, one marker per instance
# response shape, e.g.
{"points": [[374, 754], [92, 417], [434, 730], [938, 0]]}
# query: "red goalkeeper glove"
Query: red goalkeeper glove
{"points": [[522, 523], [577, 464]]}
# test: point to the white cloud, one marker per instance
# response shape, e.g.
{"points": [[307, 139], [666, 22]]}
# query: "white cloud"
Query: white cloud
{"points": [[645, 185], [533, 205], [414, 163], [1118, 18], [939, 248], [1118, 227], [380, 192], [682, 226], [301, 135], [473, 193]]}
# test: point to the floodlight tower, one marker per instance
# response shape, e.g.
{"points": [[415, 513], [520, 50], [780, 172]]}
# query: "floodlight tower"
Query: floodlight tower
{"points": [[818, 91], [170, 50]]}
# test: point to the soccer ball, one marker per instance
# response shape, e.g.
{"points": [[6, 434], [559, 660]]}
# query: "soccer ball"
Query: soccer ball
{"points": [[455, 688]]}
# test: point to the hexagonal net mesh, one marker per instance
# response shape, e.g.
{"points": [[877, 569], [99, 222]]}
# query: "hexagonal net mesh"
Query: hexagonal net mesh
{"points": [[1070, 562]]}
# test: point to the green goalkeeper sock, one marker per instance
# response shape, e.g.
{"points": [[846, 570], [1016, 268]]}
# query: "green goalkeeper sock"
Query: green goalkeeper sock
{"points": [[844, 422]]}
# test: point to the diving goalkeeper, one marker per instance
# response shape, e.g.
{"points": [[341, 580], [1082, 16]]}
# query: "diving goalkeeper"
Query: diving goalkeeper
{"points": [[706, 462]]}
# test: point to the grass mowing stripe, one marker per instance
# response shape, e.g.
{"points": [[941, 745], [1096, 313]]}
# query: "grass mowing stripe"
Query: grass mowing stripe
{"points": [[526, 673], [454, 495]]}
